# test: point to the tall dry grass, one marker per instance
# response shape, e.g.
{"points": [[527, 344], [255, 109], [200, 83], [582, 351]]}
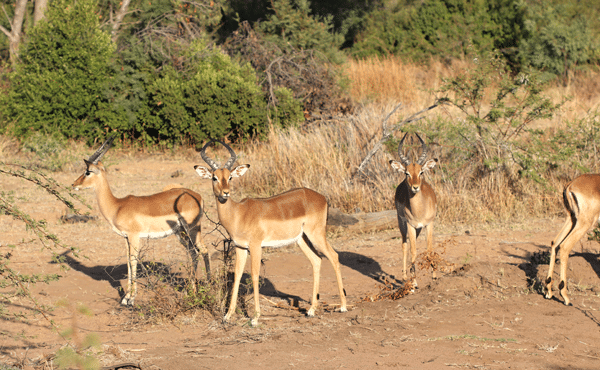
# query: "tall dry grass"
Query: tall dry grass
{"points": [[325, 157]]}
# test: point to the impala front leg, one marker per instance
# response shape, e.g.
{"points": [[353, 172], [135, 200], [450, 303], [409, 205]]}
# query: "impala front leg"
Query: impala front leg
{"points": [[402, 225], [412, 238], [132, 257], [241, 253]]}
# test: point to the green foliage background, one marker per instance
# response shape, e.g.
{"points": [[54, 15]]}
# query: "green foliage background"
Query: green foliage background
{"points": [[59, 86], [164, 78]]}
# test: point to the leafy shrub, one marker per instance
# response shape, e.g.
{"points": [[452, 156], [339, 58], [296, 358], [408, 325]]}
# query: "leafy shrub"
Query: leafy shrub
{"points": [[494, 131], [285, 108], [49, 151], [442, 28], [554, 43], [210, 97], [60, 84], [290, 25]]}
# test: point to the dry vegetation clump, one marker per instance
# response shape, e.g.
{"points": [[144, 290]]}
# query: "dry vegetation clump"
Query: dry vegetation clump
{"points": [[170, 293], [324, 158], [387, 291]]}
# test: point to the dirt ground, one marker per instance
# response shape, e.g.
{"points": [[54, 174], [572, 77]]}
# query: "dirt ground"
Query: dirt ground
{"points": [[484, 315]]}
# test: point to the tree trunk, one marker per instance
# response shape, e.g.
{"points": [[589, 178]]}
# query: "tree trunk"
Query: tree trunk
{"points": [[119, 18], [14, 35], [39, 10]]}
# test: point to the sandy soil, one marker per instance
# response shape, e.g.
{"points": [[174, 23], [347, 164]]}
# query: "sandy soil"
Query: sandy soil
{"points": [[485, 314]]}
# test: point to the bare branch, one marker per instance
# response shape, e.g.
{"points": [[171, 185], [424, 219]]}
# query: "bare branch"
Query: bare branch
{"points": [[387, 134]]}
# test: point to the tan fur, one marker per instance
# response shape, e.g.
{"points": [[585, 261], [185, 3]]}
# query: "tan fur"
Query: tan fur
{"points": [[298, 215], [172, 186], [581, 198], [153, 216], [416, 205]]}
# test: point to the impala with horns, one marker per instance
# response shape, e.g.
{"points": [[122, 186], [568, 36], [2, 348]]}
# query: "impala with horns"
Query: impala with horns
{"points": [[415, 203], [175, 211], [581, 198], [296, 216]]}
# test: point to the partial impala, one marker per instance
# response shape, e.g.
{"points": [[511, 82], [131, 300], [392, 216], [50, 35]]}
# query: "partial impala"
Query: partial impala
{"points": [[581, 198], [175, 211], [415, 203], [296, 216]]}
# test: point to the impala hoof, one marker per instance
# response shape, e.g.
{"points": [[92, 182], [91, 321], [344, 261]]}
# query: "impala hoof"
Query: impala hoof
{"points": [[343, 309], [127, 301]]}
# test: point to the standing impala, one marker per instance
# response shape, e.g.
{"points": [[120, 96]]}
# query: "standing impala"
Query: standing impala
{"points": [[175, 211], [296, 216], [415, 202], [581, 198]]}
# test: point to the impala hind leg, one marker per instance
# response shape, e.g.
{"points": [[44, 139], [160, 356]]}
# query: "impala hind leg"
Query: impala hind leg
{"points": [[567, 227], [565, 248], [240, 262], [429, 234], [255, 259], [319, 241], [315, 261], [199, 247]]}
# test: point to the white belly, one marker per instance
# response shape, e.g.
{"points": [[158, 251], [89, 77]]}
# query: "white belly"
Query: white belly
{"points": [[150, 235], [281, 243], [274, 243]]}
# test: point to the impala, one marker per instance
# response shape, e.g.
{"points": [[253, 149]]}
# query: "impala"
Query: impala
{"points": [[175, 211], [581, 198], [296, 216], [415, 203]]}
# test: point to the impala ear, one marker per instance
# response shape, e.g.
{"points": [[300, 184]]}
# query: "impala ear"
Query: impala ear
{"points": [[397, 166], [203, 172], [429, 165], [240, 170]]}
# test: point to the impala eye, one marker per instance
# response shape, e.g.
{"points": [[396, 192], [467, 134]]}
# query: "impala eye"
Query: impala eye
{"points": [[215, 178], [87, 173]]}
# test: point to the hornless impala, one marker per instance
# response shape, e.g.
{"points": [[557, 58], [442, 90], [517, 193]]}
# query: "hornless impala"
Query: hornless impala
{"points": [[415, 203], [581, 198], [175, 211], [296, 216]]}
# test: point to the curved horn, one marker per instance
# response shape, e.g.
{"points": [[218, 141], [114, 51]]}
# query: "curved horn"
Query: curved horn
{"points": [[94, 158], [423, 156], [404, 160], [206, 158], [232, 157]]}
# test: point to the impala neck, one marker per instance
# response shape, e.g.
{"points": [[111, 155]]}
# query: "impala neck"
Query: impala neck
{"points": [[107, 202], [227, 212]]}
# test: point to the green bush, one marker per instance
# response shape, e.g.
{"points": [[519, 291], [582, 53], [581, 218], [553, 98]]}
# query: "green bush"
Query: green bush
{"points": [[290, 25], [287, 110], [441, 28], [212, 98], [554, 43], [494, 133], [60, 83]]}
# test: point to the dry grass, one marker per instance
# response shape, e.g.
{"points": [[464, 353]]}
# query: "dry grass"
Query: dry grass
{"points": [[325, 156]]}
